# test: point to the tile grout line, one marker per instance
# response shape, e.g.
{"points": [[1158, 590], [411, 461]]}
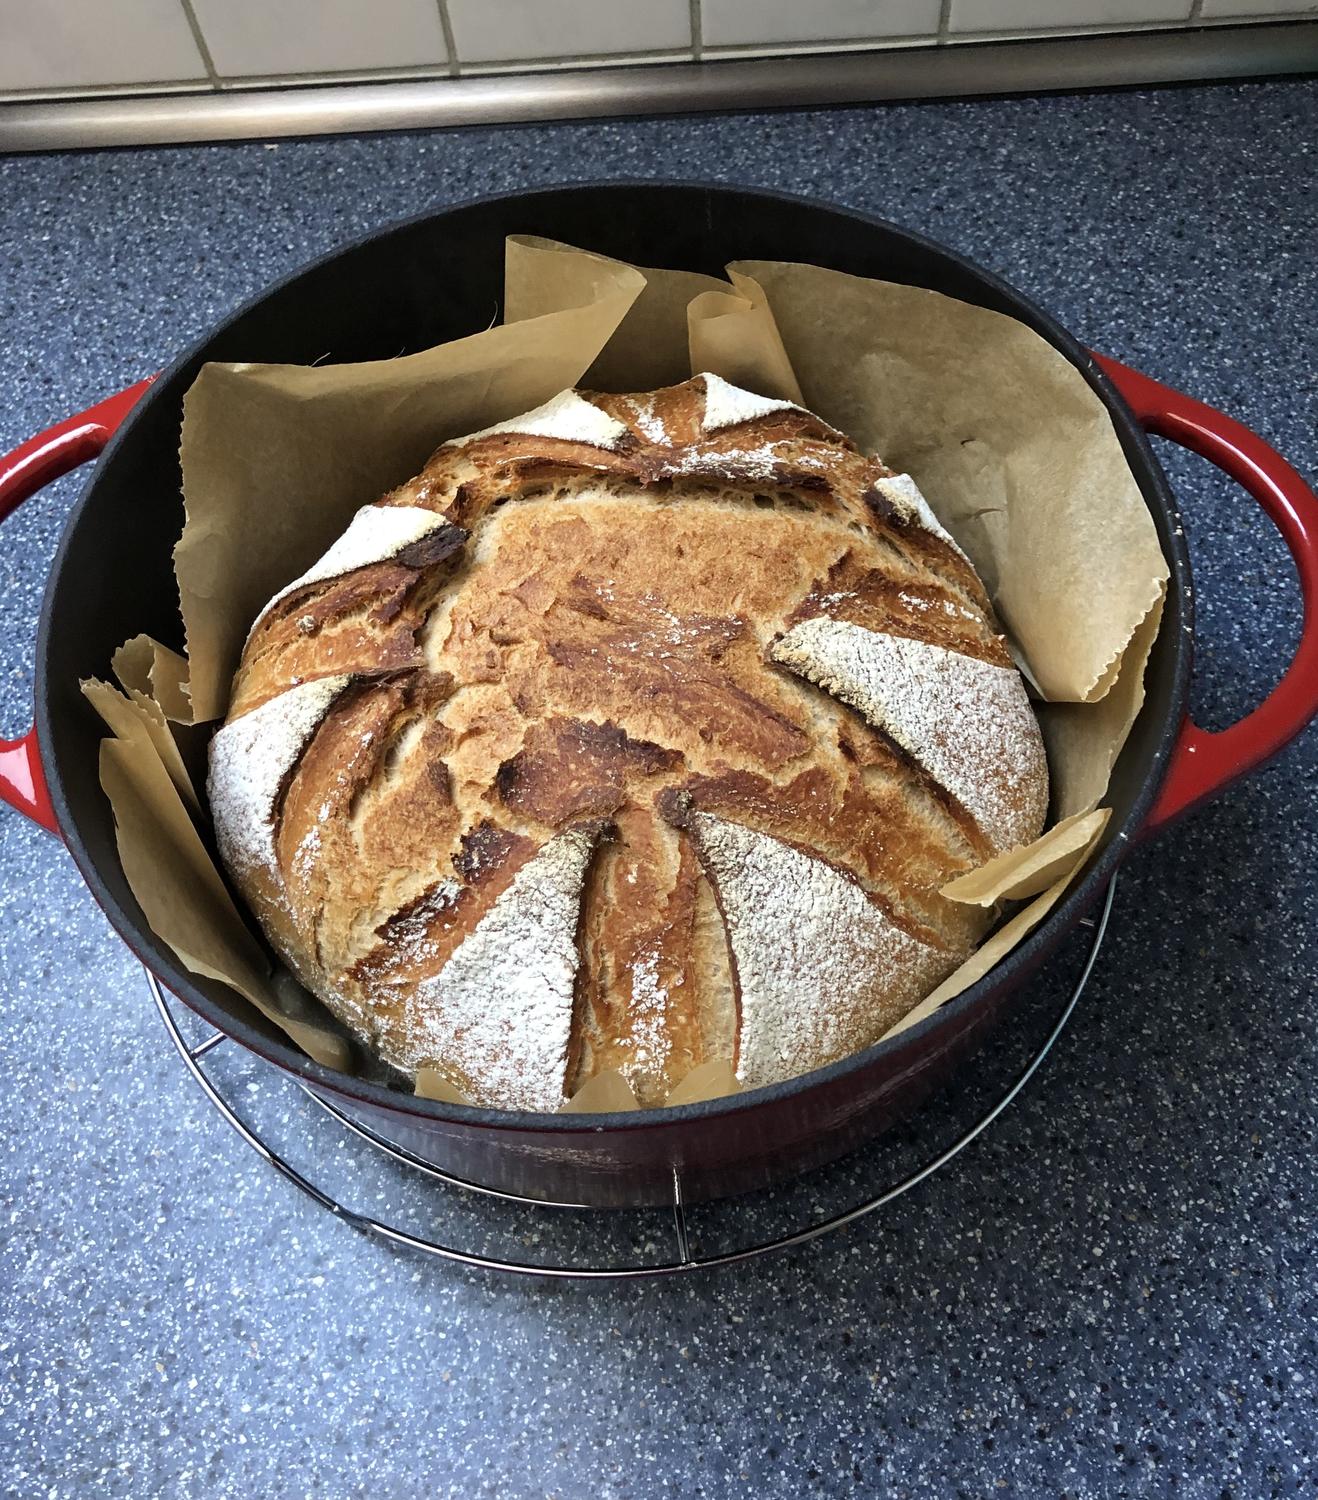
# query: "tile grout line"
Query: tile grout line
{"points": [[1086, 29], [1196, 9], [944, 20], [915, 40], [97, 93], [697, 31], [446, 25], [438, 72], [536, 66], [789, 51], [208, 62]]}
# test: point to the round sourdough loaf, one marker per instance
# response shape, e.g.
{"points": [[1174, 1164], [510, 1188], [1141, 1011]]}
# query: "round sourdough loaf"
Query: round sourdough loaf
{"points": [[635, 732]]}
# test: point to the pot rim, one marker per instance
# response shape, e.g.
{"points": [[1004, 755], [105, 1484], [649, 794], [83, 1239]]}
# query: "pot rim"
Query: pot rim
{"points": [[1009, 970]]}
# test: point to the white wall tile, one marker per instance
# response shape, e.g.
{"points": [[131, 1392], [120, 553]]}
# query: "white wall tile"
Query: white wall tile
{"points": [[495, 30], [1031, 15], [264, 37], [66, 43], [1216, 10], [732, 22]]}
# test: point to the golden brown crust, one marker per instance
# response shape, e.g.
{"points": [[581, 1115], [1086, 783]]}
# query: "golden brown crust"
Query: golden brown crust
{"points": [[583, 636], [639, 992], [364, 623]]}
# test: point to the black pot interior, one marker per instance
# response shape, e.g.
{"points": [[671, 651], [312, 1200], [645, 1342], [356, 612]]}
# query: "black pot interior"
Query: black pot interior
{"points": [[406, 288]]}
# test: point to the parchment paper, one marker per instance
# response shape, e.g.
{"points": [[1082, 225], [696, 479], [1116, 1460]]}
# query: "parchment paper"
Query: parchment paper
{"points": [[145, 666], [707, 1080], [1020, 873], [431, 1084], [648, 349], [276, 458], [1084, 739], [1006, 440], [178, 887], [132, 715], [736, 336], [1013, 450], [998, 946], [607, 1091]]}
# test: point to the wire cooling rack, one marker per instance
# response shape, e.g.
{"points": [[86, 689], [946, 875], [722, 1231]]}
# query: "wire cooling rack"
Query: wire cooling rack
{"points": [[389, 1184]]}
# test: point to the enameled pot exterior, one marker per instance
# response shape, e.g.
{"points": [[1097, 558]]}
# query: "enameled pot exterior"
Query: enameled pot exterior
{"points": [[439, 277]]}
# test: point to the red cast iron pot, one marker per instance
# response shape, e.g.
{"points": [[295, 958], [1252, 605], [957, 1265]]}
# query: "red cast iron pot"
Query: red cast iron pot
{"points": [[435, 278]]}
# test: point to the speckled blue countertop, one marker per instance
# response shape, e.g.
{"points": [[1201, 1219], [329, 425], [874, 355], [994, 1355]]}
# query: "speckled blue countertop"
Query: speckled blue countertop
{"points": [[1111, 1293]]}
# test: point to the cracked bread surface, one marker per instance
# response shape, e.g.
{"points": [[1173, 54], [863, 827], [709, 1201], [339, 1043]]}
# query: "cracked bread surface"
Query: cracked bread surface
{"points": [[646, 733]]}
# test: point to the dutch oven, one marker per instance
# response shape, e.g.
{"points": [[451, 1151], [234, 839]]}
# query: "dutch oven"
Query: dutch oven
{"points": [[435, 278]]}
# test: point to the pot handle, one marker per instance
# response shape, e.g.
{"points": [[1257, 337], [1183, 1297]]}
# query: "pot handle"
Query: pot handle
{"points": [[30, 467], [1202, 762]]}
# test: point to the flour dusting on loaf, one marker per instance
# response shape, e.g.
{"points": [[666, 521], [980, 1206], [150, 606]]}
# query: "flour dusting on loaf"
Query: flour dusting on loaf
{"points": [[375, 534], [905, 495], [726, 405], [568, 417], [967, 722], [637, 732], [250, 760], [498, 1016], [827, 974]]}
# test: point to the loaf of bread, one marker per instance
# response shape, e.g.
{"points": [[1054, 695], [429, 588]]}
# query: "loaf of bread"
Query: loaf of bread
{"points": [[634, 732]]}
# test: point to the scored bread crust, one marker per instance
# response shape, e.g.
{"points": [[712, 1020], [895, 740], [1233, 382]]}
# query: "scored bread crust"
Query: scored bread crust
{"points": [[634, 732]]}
